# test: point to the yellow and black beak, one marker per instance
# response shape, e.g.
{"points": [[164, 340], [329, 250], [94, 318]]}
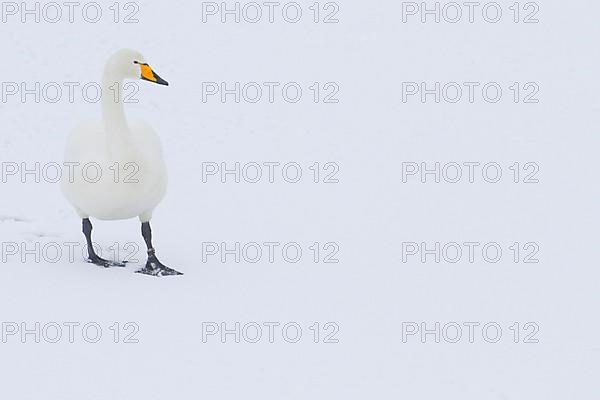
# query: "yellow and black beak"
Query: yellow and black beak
{"points": [[149, 75]]}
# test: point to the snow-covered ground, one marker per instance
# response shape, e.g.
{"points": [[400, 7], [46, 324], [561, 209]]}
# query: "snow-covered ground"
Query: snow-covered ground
{"points": [[362, 303]]}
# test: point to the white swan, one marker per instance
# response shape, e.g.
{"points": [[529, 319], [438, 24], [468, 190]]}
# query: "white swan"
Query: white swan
{"points": [[116, 169]]}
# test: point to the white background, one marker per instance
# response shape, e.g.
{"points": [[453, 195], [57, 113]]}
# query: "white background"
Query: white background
{"points": [[369, 213]]}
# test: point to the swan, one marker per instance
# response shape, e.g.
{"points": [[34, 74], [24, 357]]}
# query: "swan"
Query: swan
{"points": [[116, 168]]}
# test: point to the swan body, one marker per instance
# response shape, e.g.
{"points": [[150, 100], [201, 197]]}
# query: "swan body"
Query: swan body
{"points": [[116, 169], [125, 182]]}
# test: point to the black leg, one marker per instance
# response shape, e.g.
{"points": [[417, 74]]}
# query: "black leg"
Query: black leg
{"points": [[153, 266], [92, 256], [147, 234]]}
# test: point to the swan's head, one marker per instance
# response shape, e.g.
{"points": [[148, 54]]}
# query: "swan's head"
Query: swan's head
{"points": [[131, 64]]}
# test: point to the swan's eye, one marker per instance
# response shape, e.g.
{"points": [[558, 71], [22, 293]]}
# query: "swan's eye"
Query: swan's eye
{"points": [[135, 62]]}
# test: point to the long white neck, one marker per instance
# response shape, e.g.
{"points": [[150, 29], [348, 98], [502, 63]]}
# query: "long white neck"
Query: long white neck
{"points": [[113, 115]]}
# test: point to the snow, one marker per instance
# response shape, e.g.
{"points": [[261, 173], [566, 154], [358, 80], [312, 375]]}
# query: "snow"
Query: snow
{"points": [[370, 293]]}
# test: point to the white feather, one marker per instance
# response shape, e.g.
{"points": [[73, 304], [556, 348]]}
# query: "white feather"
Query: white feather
{"points": [[133, 174]]}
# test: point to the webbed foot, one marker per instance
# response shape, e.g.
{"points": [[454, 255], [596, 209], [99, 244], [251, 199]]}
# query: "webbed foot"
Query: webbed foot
{"points": [[94, 259], [156, 268]]}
